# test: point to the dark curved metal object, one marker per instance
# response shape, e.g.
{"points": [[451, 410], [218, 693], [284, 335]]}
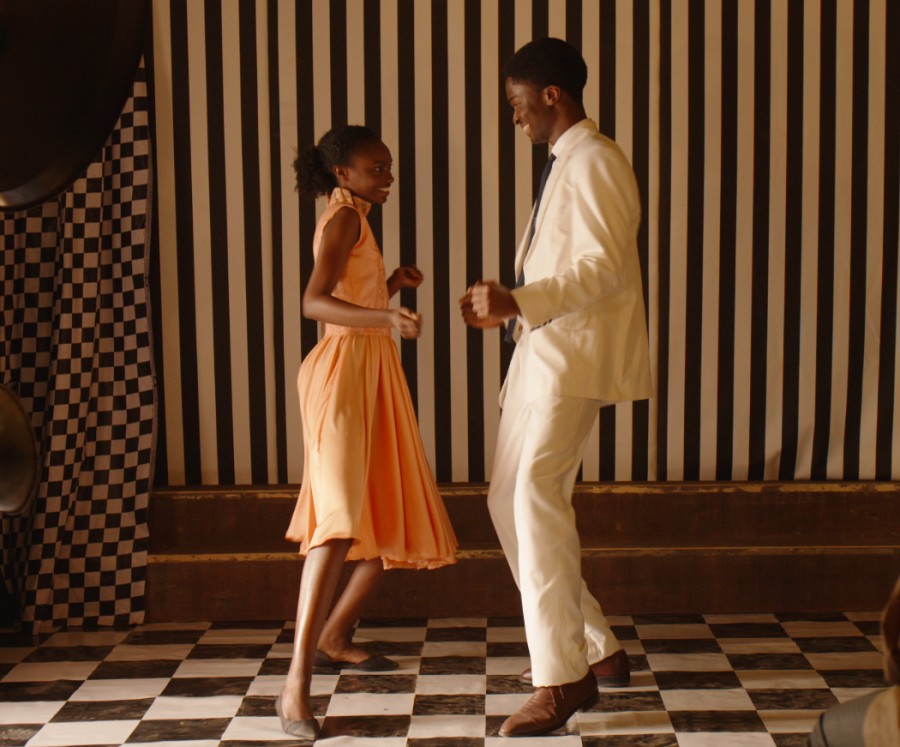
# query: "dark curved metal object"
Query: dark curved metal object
{"points": [[66, 70], [19, 467]]}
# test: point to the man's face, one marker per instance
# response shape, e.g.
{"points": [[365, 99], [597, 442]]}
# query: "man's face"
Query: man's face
{"points": [[531, 110]]}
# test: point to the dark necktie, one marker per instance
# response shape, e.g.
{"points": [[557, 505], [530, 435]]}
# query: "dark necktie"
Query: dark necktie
{"points": [[520, 281]]}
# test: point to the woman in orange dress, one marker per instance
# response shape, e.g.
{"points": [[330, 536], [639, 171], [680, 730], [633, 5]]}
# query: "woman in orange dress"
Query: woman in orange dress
{"points": [[368, 493]]}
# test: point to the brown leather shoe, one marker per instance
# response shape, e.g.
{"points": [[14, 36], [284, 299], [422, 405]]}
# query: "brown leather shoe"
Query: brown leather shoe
{"points": [[613, 671], [550, 707]]}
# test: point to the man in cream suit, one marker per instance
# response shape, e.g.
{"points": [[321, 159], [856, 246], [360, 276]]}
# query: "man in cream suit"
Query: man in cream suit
{"points": [[577, 316]]}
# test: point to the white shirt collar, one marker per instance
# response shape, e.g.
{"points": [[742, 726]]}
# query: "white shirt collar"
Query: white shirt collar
{"points": [[574, 135]]}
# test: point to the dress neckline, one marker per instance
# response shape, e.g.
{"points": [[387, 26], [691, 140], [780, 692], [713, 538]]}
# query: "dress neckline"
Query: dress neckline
{"points": [[343, 196]]}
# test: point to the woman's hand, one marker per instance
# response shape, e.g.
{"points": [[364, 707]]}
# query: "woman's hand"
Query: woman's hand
{"points": [[408, 276], [407, 323]]}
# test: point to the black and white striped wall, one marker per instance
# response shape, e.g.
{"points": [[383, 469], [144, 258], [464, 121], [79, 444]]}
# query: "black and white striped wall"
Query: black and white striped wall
{"points": [[765, 136]]}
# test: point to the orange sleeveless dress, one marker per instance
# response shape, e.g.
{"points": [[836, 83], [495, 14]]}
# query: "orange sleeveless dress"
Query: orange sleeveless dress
{"points": [[365, 474]]}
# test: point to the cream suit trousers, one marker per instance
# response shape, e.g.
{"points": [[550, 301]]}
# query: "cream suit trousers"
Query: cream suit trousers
{"points": [[540, 443]]}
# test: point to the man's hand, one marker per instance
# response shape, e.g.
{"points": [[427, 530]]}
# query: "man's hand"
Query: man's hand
{"points": [[490, 300], [471, 318]]}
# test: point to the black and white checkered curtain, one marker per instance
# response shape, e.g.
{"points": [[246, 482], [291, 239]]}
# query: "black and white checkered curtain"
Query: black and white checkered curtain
{"points": [[75, 347]]}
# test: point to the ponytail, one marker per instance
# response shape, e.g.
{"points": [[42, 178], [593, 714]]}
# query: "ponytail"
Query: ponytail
{"points": [[336, 147]]}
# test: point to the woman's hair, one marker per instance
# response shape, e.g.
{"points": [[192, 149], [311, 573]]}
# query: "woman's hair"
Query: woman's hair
{"points": [[335, 148], [549, 62]]}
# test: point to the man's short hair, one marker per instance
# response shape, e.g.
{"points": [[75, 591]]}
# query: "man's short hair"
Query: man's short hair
{"points": [[549, 62]]}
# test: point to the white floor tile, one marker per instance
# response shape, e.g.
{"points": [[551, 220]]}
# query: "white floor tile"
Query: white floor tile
{"points": [[446, 726], [596, 723], [707, 700], [83, 733], [29, 712], [99, 690], [370, 704], [218, 668], [451, 684], [790, 722], [150, 652], [779, 679], [190, 707], [759, 646], [689, 662]]}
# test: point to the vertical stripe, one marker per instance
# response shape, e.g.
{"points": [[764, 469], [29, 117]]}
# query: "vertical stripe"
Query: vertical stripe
{"points": [[809, 280], [337, 36], [458, 208], [218, 269], [506, 146], [556, 18], [356, 62], [240, 229], [760, 246], [640, 160], [859, 203], [390, 128], [186, 322], [888, 382], [678, 240], [170, 446], [306, 136], [696, 127], [664, 240], [200, 220], [490, 226], [279, 457], [372, 55], [574, 10], [269, 424], [607, 124], [624, 118], [825, 295], [874, 240], [473, 186], [425, 230], [843, 237], [288, 279], [793, 266], [777, 199], [711, 216], [727, 243], [744, 258], [590, 50], [406, 170], [443, 298]]}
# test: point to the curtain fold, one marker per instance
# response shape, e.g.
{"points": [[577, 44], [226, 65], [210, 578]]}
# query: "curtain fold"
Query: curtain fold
{"points": [[75, 346]]}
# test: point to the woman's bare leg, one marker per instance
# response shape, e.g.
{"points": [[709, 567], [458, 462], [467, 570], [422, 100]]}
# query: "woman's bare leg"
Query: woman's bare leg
{"points": [[336, 638], [321, 571]]}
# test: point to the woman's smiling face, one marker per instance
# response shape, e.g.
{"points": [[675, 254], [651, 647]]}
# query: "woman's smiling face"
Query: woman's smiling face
{"points": [[368, 175]]}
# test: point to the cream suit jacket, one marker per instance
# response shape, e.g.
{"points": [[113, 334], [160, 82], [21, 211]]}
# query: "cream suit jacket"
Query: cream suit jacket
{"points": [[582, 325]]}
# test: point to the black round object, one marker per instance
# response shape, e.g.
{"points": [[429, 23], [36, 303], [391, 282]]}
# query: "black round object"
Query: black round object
{"points": [[18, 456], [66, 70]]}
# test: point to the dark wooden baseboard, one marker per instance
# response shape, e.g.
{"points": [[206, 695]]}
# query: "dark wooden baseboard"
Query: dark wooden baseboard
{"points": [[220, 554]]}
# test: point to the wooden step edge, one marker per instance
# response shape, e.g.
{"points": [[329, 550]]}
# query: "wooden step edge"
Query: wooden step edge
{"points": [[464, 489], [620, 552]]}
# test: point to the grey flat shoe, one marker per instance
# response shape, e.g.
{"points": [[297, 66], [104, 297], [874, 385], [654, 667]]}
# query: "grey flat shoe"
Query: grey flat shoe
{"points": [[307, 728]]}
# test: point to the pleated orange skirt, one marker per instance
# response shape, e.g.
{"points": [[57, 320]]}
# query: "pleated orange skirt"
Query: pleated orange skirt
{"points": [[365, 476]]}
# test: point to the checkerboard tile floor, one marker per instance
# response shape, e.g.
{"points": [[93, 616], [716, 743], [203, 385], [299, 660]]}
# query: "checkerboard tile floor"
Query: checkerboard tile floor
{"points": [[698, 681]]}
